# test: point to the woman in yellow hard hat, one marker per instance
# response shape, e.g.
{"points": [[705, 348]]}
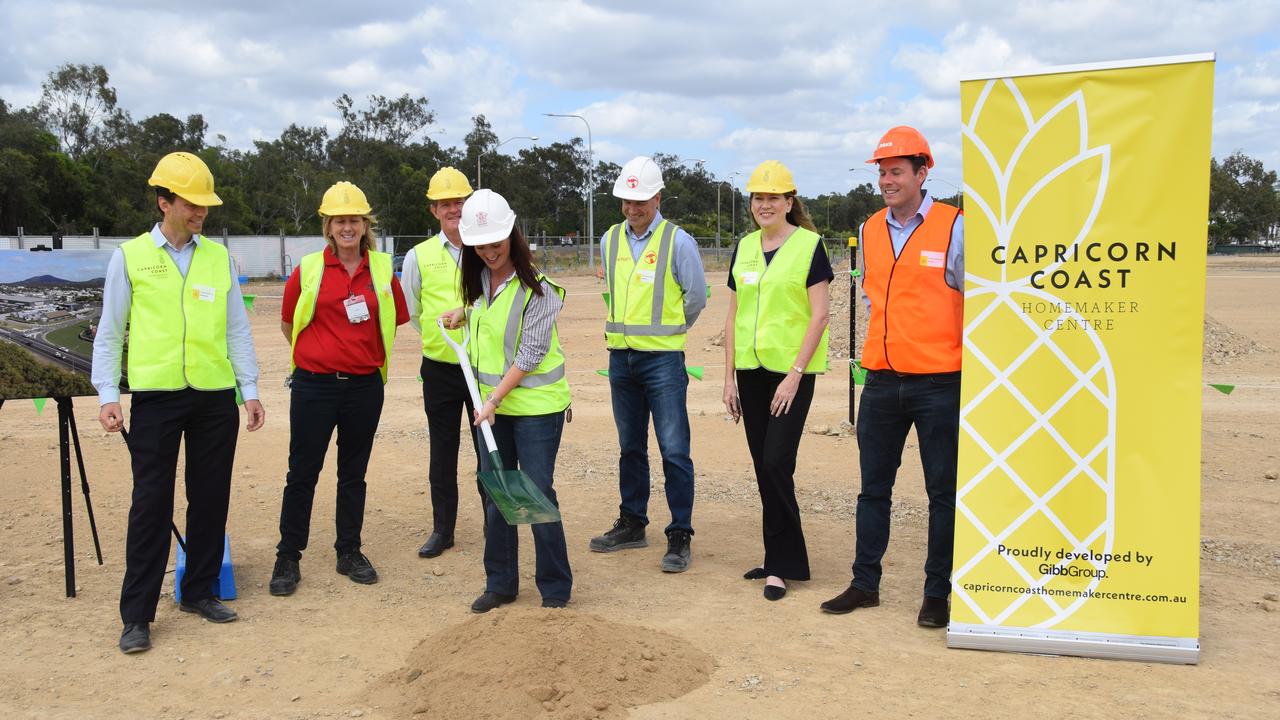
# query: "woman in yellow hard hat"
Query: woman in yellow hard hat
{"points": [[515, 349], [776, 342], [340, 312]]}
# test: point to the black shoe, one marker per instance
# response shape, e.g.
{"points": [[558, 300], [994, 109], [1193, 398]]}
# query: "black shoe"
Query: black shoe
{"points": [[136, 638], [756, 573], [357, 567], [627, 532], [285, 577], [490, 600], [548, 603], [435, 545], [774, 592], [210, 609], [849, 600], [677, 558], [934, 613]]}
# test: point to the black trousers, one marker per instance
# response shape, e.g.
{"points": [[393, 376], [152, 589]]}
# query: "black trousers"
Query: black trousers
{"points": [[444, 395], [318, 405], [209, 423], [774, 444]]}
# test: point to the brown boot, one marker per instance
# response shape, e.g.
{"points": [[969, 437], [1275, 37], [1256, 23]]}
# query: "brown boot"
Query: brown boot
{"points": [[849, 600]]}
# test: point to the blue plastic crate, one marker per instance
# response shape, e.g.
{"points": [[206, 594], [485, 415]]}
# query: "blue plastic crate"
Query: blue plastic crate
{"points": [[224, 588]]}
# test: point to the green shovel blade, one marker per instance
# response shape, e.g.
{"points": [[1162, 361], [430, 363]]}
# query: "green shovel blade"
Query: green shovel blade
{"points": [[517, 497]]}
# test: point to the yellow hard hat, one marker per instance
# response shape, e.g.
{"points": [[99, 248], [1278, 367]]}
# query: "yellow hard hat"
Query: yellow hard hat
{"points": [[771, 176], [447, 184], [344, 198], [186, 176]]}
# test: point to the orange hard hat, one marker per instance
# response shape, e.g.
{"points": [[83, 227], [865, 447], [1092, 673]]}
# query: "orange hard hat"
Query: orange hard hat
{"points": [[902, 141]]}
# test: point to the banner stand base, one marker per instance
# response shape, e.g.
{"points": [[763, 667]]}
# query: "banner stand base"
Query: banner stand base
{"points": [[1182, 651]]}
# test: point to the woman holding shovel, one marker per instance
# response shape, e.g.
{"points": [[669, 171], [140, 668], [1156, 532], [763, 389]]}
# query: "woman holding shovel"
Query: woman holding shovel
{"points": [[776, 341], [511, 311]]}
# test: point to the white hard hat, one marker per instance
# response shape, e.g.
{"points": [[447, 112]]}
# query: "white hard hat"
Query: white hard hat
{"points": [[640, 179], [486, 219]]}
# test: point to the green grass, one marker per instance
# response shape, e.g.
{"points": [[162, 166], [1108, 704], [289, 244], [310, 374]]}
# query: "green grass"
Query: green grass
{"points": [[69, 337]]}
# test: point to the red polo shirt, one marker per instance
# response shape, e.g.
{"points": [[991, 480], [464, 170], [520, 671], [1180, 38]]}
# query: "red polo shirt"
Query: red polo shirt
{"points": [[331, 343]]}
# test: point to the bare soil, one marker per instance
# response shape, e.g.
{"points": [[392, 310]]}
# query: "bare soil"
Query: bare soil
{"points": [[700, 644]]}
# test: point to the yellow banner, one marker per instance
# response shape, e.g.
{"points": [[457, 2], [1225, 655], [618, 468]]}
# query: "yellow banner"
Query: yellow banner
{"points": [[1078, 498]]}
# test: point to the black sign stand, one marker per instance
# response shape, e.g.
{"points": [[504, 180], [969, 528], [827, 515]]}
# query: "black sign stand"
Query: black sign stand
{"points": [[67, 437]]}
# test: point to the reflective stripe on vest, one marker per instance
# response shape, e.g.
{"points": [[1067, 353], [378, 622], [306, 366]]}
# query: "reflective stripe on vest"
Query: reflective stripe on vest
{"points": [[310, 274], [496, 332], [646, 305], [916, 323], [773, 304], [177, 325], [440, 291]]}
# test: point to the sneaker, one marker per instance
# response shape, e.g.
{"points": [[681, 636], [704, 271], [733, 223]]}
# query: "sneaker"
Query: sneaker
{"points": [[285, 577], [677, 558], [357, 567], [627, 532]]}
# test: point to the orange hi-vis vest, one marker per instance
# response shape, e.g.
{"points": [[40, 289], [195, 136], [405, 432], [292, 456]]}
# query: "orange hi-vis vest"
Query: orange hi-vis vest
{"points": [[917, 320]]}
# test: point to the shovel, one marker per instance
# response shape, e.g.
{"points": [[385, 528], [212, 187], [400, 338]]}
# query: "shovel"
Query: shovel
{"points": [[517, 497]]}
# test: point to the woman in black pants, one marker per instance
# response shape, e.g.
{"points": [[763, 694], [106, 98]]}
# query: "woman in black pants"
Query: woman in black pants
{"points": [[340, 312], [776, 341]]}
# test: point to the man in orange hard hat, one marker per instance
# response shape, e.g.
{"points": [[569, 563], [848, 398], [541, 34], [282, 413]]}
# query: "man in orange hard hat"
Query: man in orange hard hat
{"points": [[912, 357]]}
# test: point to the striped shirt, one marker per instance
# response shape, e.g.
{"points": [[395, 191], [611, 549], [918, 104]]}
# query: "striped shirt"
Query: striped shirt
{"points": [[539, 319]]}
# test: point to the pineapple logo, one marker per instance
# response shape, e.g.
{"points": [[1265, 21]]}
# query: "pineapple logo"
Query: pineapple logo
{"points": [[1038, 419]]}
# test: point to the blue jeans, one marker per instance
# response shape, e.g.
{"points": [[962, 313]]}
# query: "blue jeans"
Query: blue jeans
{"points": [[644, 382], [890, 405], [529, 443]]}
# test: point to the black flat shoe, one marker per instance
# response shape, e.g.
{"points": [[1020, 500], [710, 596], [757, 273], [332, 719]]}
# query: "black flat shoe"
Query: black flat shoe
{"points": [[210, 609], [773, 592], [435, 545], [136, 638], [756, 573], [490, 600]]}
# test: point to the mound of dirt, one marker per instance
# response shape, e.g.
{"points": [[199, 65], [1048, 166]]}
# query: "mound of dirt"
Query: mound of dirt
{"points": [[1222, 344], [525, 663]]}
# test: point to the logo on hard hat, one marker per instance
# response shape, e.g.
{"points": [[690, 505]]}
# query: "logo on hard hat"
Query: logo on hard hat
{"points": [[633, 182], [482, 218]]}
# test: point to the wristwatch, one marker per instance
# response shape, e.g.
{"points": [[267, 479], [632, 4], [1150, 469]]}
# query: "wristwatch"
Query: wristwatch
{"points": [[497, 403]]}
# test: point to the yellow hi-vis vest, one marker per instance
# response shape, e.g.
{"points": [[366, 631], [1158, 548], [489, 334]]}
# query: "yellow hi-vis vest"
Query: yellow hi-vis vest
{"points": [[177, 325], [496, 333], [440, 291], [646, 305], [311, 271], [773, 304]]}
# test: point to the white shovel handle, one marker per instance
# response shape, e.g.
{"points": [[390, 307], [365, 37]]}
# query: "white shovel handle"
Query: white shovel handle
{"points": [[465, 362]]}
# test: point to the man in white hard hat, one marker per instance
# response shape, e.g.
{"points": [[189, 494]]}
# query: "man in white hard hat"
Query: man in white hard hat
{"points": [[175, 287], [431, 287], [656, 291]]}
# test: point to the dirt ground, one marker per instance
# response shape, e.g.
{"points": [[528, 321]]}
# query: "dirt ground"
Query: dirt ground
{"points": [[634, 642]]}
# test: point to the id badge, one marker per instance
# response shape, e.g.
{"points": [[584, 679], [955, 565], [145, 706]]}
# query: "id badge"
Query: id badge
{"points": [[750, 278], [646, 276], [203, 293], [357, 309]]}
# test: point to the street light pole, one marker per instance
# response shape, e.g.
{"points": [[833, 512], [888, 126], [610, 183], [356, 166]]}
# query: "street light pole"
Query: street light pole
{"points": [[481, 151], [591, 191], [718, 184]]}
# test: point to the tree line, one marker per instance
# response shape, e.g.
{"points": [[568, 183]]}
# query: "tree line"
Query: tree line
{"points": [[75, 160]]}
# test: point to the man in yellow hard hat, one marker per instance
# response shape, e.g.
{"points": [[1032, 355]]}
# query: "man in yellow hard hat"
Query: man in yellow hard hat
{"points": [[913, 280], [189, 350], [656, 292], [432, 287]]}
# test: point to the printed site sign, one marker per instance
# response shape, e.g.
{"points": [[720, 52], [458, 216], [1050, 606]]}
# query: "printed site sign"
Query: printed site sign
{"points": [[1078, 495]]}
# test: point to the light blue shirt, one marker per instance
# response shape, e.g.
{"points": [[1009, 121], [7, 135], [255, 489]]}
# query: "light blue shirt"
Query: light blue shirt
{"points": [[899, 233], [686, 265], [117, 296]]}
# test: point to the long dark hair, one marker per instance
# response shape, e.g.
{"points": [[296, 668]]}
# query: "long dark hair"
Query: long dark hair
{"points": [[521, 257]]}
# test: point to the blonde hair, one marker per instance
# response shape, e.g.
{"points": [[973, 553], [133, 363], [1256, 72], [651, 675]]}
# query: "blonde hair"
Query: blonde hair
{"points": [[368, 242]]}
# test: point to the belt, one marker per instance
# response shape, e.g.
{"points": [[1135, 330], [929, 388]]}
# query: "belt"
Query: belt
{"points": [[331, 377], [912, 376]]}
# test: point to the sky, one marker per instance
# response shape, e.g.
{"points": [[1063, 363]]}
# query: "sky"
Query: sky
{"points": [[813, 84]]}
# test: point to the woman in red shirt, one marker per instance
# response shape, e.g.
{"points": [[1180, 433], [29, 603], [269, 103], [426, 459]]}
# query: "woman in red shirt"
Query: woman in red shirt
{"points": [[340, 312]]}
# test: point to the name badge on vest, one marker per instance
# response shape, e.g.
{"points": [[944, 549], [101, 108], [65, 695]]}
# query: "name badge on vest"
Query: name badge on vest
{"points": [[750, 278], [933, 259], [646, 276], [203, 293], [357, 309]]}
